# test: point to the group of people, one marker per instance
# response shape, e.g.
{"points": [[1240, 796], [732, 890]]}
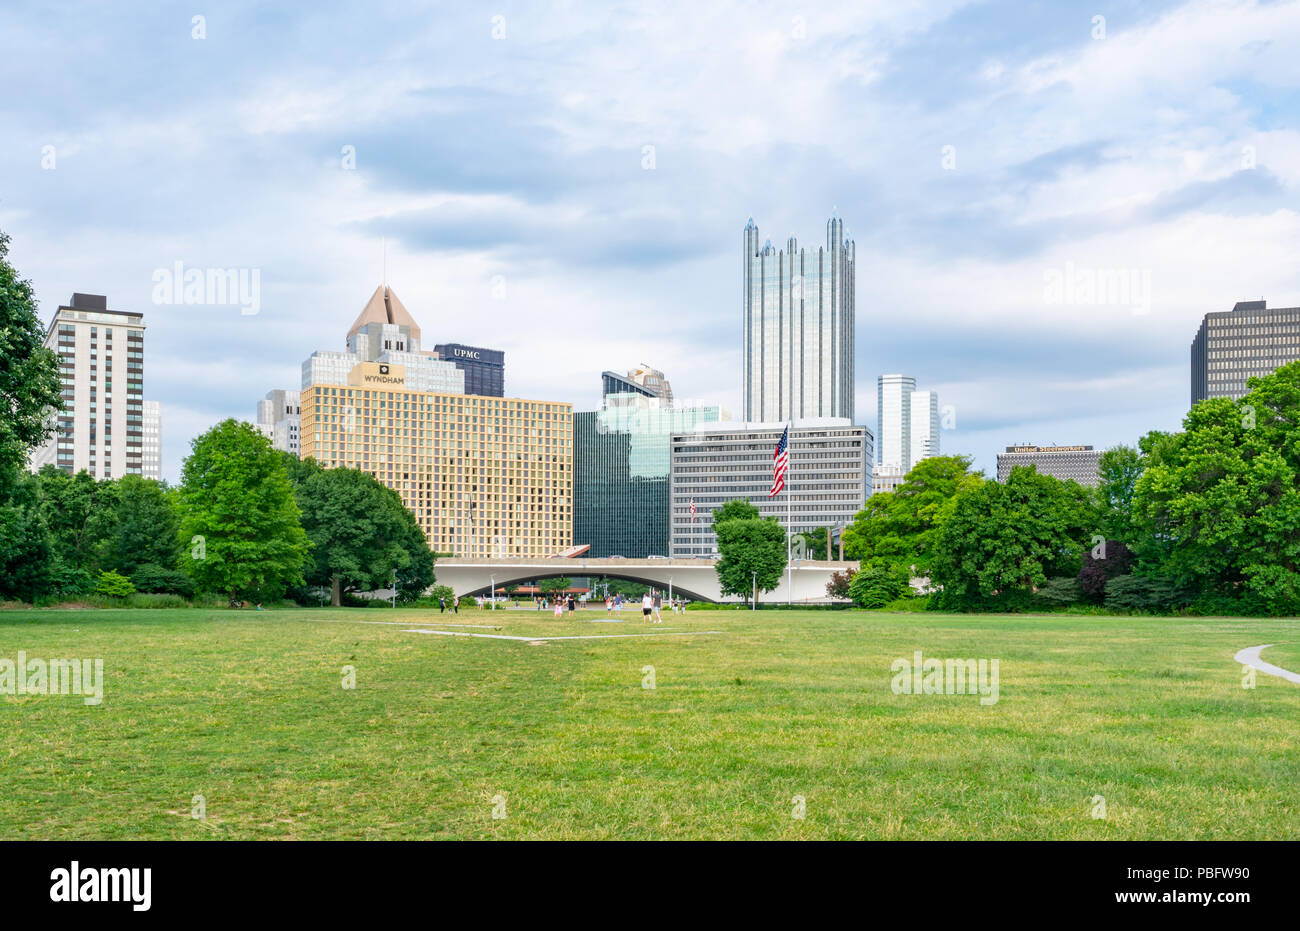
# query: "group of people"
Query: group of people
{"points": [[652, 603]]}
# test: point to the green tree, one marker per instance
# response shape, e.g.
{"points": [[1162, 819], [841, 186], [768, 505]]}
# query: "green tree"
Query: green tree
{"points": [[735, 509], [1220, 500], [77, 509], [114, 584], [239, 519], [554, 586], [1010, 537], [901, 526], [877, 584], [814, 543], [29, 372], [25, 550], [360, 532], [750, 547], [143, 526], [1118, 471]]}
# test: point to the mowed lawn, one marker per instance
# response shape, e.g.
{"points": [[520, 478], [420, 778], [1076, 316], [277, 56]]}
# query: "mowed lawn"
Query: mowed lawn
{"points": [[560, 739]]}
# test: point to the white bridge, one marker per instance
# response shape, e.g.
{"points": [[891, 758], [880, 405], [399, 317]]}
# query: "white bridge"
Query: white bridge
{"points": [[691, 578]]}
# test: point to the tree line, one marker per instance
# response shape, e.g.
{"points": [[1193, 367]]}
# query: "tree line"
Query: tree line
{"points": [[1205, 520]]}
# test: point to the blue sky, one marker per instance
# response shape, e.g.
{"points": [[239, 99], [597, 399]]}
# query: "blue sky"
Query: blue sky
{"points": [[504, 161]]}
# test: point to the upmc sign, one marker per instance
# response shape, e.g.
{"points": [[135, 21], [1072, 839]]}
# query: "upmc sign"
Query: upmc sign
{"points": [[458, 352]]}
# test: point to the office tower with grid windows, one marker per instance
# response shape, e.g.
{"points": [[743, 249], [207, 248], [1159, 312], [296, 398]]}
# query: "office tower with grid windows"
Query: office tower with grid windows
{"points": [[798, 328], [101, 366], [1232, 346], [484, 476], [485, 369], [827, 481]]}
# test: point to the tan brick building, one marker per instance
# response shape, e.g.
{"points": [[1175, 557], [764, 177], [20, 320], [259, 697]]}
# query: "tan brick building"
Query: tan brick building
{"points": [[484, 476]]}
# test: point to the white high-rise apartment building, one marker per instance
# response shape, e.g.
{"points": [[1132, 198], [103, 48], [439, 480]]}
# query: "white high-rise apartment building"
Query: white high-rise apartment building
{"points": [[798, 328], [279, 418], [101, 364], [908, 428], [151, 446]]}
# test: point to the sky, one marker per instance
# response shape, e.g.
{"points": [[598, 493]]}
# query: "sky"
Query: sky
{"points": [[569, 182]]}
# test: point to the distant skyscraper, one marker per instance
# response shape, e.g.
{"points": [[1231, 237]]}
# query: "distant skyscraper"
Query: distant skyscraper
{"points": [[1231, 346], [485, 369], [385, 332], [893, 421], [798, 328], [908, 424], [279, 417], [923, 417], [101, 363], [1077, 463], [151, 442]]}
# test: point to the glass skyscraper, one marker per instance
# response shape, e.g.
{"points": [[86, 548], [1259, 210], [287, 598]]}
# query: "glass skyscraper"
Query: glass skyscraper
{"points": [[798, 328], [621, 459]]}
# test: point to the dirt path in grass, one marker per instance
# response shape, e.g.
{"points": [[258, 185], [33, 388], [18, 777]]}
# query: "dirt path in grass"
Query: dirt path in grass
{"points": [[1250, 657]]}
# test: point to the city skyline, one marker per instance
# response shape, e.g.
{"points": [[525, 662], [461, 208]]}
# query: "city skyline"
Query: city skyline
{"points": [[533, 192]]}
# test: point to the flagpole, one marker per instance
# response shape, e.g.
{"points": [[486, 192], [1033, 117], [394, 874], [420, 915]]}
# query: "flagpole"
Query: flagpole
{"points": [[789, 519]]}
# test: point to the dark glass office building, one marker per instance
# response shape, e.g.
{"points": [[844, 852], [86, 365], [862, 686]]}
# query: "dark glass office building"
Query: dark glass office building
{"points": [[621, 490], [485, 369]]}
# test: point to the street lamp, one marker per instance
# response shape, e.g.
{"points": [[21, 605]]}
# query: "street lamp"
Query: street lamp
{"points": [[494, 592], [753, 604]]}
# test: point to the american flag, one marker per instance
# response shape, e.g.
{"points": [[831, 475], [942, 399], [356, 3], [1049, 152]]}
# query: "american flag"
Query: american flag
{"points": [[780, 462], [692, 509]]}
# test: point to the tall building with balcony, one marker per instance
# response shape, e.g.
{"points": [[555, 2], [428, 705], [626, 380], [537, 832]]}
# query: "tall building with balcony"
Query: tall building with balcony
{"points": [[484, 476], [798, 327], [1232, 346], [622, 456], [101, 366]]}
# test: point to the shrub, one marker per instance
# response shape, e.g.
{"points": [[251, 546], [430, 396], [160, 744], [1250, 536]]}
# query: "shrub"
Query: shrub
{"points": [[156, 579], [875, 586], [114, 584], [1060, 591], [838, 586], [1149, 593], [66, 580], [1095, 573], [909, 604]]}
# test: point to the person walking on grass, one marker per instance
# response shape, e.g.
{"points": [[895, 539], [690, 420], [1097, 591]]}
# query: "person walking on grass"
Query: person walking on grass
{"points": [[573, 605], [442, 605], [559, 603], [455, 605], [658, 606], [647, 606]]}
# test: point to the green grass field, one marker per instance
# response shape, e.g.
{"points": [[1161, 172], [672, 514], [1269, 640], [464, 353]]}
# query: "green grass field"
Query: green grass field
{"points": [[248, 710]]}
